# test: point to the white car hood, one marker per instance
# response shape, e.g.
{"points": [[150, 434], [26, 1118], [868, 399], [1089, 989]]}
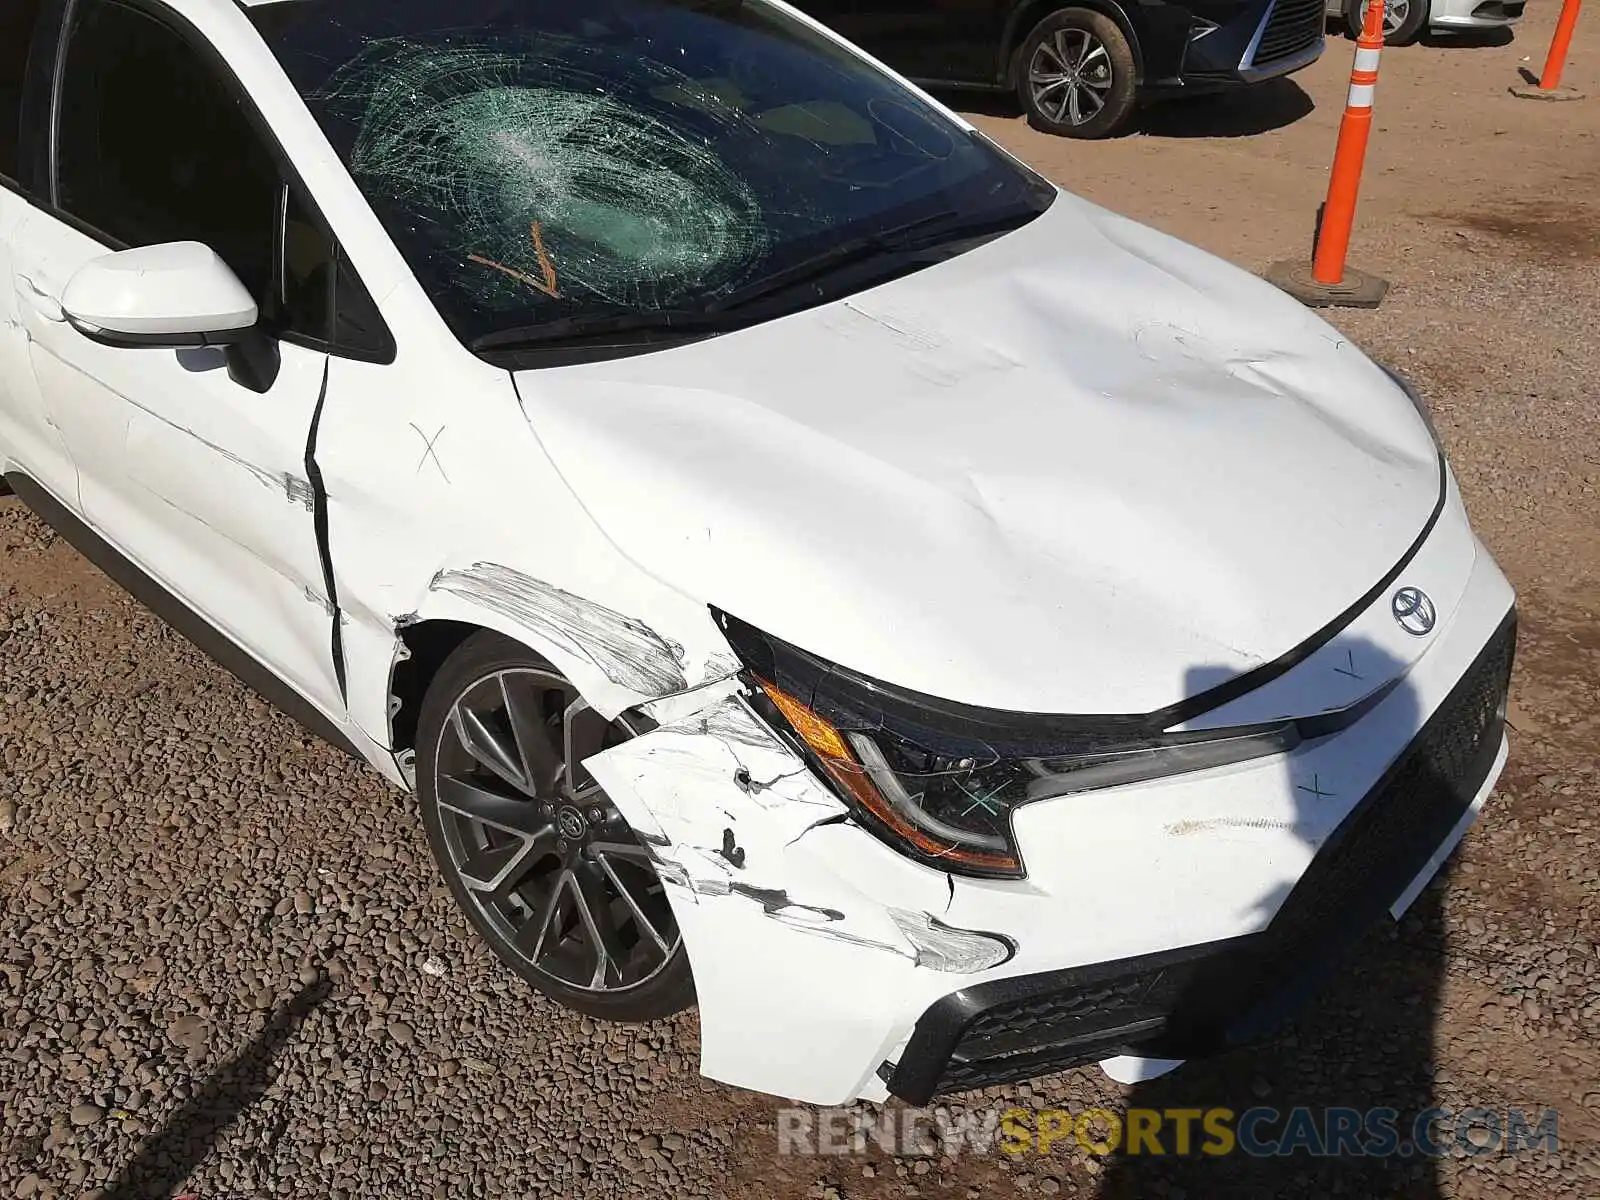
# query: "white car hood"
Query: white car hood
{"points": [[1085, 468]]}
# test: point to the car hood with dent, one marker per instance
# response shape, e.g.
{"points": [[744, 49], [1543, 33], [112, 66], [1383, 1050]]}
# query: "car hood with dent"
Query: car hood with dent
{"points": [[1074, 470]]}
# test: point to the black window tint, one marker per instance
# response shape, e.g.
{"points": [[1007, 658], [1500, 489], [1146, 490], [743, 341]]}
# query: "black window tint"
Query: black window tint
{"points": [[305, 291], [319, 297], [17, 19], [153, 147], [357, 325]]}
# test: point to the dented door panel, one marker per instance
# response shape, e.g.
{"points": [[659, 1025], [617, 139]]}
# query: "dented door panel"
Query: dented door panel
{"points": [[199, 480], [28, 440]]}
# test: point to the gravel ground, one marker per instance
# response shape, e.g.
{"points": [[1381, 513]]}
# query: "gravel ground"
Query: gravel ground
{"points": [[227, 968]]}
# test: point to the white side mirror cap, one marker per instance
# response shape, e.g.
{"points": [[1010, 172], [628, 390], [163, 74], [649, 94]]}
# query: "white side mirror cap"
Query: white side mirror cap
{"points": [[174, 294]]}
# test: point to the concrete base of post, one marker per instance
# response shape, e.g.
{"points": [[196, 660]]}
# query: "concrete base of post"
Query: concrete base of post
{"points": [[1532, 91], [1356, 290]]}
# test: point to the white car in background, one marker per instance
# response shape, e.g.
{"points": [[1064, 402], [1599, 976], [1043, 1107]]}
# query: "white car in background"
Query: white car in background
{"points": [[803, 562], [1404, 21]]}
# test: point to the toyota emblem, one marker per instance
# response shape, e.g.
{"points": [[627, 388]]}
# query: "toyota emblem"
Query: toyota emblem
{"points": [[1414, 611]]}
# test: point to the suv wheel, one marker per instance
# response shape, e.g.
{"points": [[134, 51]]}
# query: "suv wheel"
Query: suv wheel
{"points": [[1075, 75], [536, 855]]}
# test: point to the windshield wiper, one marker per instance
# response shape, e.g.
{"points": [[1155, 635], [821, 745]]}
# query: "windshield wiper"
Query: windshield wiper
{"points": [[883, 243], [563, 331], [900, 246]]}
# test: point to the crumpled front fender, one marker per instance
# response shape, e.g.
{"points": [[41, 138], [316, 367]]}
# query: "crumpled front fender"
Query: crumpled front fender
{"points": [[792, 918]]}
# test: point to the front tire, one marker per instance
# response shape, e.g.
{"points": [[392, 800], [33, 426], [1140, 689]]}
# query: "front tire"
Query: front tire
{"points": [[1075, 75], [1403, 20], [533, 851]]}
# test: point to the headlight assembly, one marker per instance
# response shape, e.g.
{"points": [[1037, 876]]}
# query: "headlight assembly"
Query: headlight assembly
{"points": [[940, 780]]}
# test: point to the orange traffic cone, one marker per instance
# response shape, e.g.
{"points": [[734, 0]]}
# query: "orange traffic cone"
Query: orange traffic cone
{"points": [[1330, 282], [1549, 85]]}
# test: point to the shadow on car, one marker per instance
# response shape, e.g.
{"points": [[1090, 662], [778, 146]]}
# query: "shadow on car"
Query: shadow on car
{"points": [[1365, 1044], [1361, 1052]]}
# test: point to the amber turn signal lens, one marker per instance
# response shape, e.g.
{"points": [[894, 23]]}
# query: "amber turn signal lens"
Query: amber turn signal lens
{"points": [[817, 733], [830, 747]]}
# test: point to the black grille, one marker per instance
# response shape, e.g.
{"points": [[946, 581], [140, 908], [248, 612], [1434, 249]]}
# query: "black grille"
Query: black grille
{"points": [[1060, 1029], [1293, 25], [1195, 1001]]}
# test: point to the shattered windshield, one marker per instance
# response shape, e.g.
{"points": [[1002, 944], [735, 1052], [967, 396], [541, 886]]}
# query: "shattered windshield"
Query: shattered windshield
{"points": [[550, 167]]}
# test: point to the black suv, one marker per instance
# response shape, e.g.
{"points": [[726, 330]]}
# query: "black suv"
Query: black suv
{"points": [[1079, 69]]}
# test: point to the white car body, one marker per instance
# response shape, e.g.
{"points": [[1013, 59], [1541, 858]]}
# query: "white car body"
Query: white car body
{"points": [[1083, 468], [1450, 15]]}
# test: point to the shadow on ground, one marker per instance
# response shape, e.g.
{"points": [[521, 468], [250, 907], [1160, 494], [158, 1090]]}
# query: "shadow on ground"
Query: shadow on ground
{"points": [[1469, 39], [1438, 39], [1365, 1044], [168, 1156], [1237, 112]]}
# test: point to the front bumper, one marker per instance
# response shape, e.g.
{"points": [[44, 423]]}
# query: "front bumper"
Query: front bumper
{"points": [[1475, 14], [1197, 1000], [1277, 39], [1144, 909]]}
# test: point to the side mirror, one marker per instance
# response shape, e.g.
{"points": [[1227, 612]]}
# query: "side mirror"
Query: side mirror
{"points": [[177, 294]]}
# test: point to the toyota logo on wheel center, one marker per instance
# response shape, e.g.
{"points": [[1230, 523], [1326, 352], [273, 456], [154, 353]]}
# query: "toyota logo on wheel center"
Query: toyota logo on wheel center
{"points": [[571, 822], [1414, 611]]}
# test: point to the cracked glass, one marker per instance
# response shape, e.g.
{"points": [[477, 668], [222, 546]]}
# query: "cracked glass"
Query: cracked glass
{"points": [[542, 164]]}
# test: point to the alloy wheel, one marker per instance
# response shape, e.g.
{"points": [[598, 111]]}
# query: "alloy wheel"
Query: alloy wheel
{"points": [[543, 855], [1070, 76], [1395, 13]]}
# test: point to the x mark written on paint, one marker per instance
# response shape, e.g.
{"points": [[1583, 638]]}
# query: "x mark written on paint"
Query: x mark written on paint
{"points": [[428, 450], [1315, 789], [1350, 657]]}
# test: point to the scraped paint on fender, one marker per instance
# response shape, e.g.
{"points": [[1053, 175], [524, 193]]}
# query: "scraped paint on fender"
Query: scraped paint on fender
{"points": [[626, 651]]}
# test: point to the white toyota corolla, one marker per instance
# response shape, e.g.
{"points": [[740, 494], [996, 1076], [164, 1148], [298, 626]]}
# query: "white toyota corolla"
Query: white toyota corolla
{"points": [[803, 562]]}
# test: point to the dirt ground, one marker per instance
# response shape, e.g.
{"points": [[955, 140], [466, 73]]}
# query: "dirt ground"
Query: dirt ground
{"points": [[178, 864]]}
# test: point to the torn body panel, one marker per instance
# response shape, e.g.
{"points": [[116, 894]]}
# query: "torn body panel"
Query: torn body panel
{"points": [[753, 852]]}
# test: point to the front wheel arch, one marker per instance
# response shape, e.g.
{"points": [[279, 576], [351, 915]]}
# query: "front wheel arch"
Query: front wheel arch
{"points": [[422, 649], [501, 837]]}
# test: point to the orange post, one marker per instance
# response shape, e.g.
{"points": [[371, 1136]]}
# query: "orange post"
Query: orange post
{"points": [[1339, 213], [1559, 45]]}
